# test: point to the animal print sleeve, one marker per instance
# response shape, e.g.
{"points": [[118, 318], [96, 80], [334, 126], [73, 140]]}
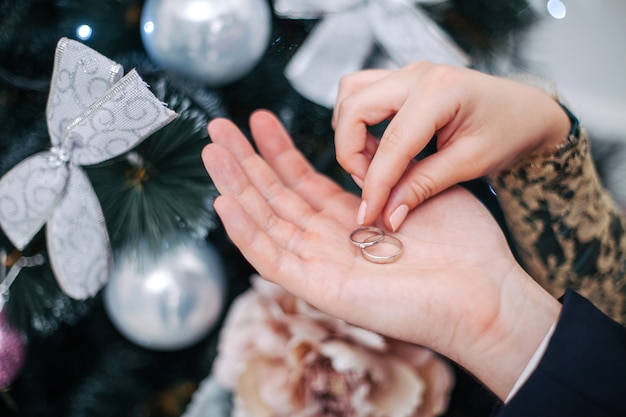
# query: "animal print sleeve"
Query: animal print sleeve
{"points": [[567, 230]]}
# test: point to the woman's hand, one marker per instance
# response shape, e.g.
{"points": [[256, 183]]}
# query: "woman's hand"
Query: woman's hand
{"points": [[456, 288], [483, 125]]}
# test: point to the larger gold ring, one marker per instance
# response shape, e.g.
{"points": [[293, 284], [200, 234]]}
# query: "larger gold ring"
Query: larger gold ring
{"points": [[383, 251]]}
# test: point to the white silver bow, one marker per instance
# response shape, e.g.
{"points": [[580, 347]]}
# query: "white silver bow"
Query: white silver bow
{"points": [[344, 41], [94, 113]]}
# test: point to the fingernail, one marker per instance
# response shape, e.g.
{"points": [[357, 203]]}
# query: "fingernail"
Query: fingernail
{"points": [[358, 181], [398, 216], [360, 216]]}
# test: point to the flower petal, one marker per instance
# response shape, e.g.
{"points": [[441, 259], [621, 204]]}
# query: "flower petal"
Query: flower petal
{"points": [[439, 382], [402, 391], [263, 389]]}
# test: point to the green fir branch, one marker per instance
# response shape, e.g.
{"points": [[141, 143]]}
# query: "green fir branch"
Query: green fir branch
{"points": [[159, 190], [38, 306]]}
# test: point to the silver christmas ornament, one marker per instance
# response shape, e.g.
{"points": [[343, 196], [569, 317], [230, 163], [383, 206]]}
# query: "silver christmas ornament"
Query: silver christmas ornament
{"points": [[166, 301], [213, 41]]}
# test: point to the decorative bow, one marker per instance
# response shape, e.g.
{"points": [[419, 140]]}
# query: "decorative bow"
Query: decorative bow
{"points": [[94, 113], [344, 41]]}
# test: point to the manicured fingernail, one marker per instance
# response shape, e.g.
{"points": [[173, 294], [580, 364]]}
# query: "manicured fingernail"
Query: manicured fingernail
{"points": [[358, 181], [360, 216], [398, 216]]}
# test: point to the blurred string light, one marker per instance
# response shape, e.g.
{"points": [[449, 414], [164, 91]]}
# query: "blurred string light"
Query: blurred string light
{"points": [[148, 27], [557, 9], [84, 32]]}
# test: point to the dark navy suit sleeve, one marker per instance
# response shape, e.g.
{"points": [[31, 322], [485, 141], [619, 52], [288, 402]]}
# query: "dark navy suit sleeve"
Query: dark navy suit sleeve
{"points": [[583, 370]]}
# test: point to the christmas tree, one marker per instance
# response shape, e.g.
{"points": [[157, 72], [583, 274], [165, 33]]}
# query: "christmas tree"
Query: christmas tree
{"points": [[96, 354]]}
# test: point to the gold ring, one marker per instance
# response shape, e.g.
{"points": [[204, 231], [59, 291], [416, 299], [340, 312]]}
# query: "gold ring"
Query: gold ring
{"points": [[383, 251], [376, 234]]}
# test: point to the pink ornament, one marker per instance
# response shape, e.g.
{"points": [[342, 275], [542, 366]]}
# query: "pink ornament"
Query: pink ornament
{"points": [[12, 351]]}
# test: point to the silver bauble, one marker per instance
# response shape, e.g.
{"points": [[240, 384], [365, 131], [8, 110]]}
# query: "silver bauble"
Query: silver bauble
{"points": [[213, 41], [166, 301]]}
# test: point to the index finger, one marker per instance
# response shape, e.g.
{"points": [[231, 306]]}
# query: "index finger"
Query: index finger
{"points": [[408, 133], [364, 100], [352, 83]]}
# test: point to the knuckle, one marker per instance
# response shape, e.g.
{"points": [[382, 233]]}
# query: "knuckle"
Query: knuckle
{"points": [[349, 161], [343, 158], [440, 75], [392, 144], [348, 107], [391, 141], [346, 82], [422, 187]]}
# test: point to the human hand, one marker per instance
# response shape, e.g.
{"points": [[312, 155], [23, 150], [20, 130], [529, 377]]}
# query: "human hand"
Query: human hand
{"points": [[483, 125], [456, 288]]}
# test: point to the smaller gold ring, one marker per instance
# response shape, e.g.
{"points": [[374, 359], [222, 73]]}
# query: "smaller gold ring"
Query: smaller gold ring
{"points": [[375, 235], [382, 259]]}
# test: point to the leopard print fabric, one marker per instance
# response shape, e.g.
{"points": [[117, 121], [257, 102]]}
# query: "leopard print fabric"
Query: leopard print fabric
{"points": [[567, 230]]}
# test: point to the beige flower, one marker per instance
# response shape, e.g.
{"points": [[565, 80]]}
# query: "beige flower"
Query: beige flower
{"points": [[284, 358]]}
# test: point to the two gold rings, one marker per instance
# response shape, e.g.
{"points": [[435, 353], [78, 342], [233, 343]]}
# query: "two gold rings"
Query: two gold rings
{"points": [[376, 246]]}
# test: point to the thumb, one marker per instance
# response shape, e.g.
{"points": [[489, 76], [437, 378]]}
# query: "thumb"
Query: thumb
{"points": [[424, 179]]}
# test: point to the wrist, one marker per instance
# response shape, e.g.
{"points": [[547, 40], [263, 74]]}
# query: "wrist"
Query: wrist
{"points": [[559, 128], [527, 313], [557, 122]]}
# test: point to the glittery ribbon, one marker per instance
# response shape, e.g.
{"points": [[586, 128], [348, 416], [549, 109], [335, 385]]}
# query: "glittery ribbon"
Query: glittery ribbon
{"points": [[94, 113], [344, 41]]}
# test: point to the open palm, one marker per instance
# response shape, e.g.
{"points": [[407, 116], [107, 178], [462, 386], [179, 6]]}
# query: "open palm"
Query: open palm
{"points": [[293, 225]]}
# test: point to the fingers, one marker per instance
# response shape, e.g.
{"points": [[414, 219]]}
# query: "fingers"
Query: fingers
{"points": [[407, 134], [351, 83], [426, 177], [276, 229], [251, 176], [364, 99], [225, 133], [419, 107], [230, 180], [268, 256], [238, 171], [280, 249], [278, 150], [371, 145]]}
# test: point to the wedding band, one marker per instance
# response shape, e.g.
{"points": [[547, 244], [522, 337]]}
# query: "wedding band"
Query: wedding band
{"points": [[379, 252], [376, 234]]}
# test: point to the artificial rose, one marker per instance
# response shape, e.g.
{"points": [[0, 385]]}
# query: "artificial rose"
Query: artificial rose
{"points": [[283, 357]]}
